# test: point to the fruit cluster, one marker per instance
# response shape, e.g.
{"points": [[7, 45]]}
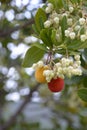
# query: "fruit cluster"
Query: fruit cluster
{"points": [[76, 26], [68, 25], [54, 74]]}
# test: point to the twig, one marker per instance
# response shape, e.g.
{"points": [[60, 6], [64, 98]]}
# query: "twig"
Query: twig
{"points": [[13, 118], [6, 32]]}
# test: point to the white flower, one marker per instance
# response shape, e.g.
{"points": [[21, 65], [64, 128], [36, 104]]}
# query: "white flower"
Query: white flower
{"points": [[82, 21], [71, 61], [69, 21], [72, 35], [48, 79], [78, 62], [71, 9], [59, 70], [58, 64], [67, 62], [46, 72], [67, 32], [77, 71], [40, 63], [49, 74], [64, 70], [49, 8], [77, 57], [77, 27], [61, 76], [34, 66], [56, 20], [63, 61], [53, 15], [70, 68], [47, 24], [83, 37], [64, 14], [75, 65]]}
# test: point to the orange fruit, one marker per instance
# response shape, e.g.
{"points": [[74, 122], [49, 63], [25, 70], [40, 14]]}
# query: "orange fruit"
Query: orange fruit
{"points": [[39, 74]]}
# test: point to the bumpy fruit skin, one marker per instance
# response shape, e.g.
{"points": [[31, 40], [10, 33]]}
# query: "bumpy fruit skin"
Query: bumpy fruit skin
{"points": [[39, 74], [56, 85]]}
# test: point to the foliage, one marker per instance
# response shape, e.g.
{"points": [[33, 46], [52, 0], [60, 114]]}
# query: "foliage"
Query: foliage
{"points": [[47, 32]]}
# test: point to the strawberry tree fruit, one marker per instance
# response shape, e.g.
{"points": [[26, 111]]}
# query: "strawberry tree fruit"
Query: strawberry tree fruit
{"points": [[39, 74], [56, 85]]}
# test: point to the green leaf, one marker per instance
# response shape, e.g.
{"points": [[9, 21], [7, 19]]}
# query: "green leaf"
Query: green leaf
{"points": [[52, 2], [35, 29], [57, 4], [45, 36], [33, 55], [82, 93], [40, 18], [76, 44], [73, 80], [40, 46], [82, 30], [53, 37], [75, 1], [63, 26], [83, 45], [65, 4]]}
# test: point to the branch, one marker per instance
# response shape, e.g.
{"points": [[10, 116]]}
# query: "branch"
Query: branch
{"points": [[7, 32], [13, 118], [44, 1]]}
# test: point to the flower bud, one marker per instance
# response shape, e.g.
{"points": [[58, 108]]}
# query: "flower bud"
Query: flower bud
{"points": [[47, 10], [82, 21], [40, 63], [56, 20], [77, 28], [83, 38], [77, 57], [78, 62], [72, 35], [50, 6], [64, 70], [61, 76], [71, 9], [60, 70], [34, 66], [47, 24], [69, 21], [67, 32]]}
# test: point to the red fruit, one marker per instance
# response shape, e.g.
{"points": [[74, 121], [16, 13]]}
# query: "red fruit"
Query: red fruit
{"points": [[56, 85]]}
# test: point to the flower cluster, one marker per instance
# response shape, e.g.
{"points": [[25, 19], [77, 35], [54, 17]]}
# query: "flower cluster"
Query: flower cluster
{"points": [[76, 26], [65, 67]]}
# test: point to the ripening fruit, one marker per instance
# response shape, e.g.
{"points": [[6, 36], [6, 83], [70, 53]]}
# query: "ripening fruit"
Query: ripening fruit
{"points": [[56, 85], [39, 74]]}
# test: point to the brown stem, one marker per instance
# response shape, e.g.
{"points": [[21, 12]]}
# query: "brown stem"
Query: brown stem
{"points": [[13, 118], [7, 32]]}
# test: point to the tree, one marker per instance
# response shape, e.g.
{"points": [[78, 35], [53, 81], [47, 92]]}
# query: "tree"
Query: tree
{"points": [[18, 86]]}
